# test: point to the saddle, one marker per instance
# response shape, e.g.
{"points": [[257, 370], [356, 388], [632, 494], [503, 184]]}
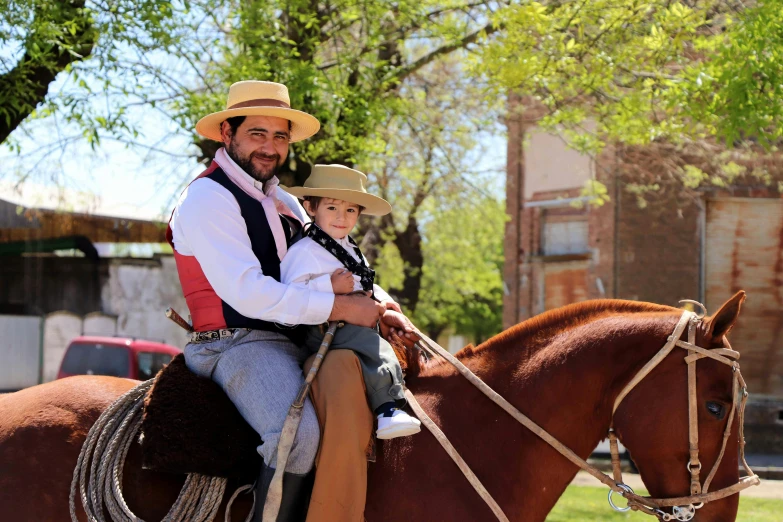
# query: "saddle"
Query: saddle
{"points": [[191, 426]]}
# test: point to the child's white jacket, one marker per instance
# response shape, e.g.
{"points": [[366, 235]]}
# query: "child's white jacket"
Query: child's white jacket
{"points": [[309, 265]]}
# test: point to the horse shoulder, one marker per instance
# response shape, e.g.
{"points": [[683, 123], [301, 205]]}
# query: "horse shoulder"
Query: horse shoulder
{"points": [[42, 429]]}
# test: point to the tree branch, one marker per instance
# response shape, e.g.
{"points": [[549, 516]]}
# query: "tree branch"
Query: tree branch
{"points": [[26, 85], [411, 68]]}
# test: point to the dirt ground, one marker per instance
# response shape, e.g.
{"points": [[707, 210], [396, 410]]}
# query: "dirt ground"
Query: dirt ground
{"points": [[767, 488]]}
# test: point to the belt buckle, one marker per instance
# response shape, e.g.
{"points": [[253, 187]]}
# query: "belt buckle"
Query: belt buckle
{"points": [[210, 335]]}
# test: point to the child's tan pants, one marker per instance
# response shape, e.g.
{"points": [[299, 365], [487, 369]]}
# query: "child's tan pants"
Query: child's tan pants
{"points": [[346, 423]]}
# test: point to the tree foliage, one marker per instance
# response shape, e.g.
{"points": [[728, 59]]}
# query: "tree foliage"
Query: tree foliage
{"points": [[740, 94], [344, 61], [435, 158], [679, 88], [43, 38], [462, 283], [624, 66]]}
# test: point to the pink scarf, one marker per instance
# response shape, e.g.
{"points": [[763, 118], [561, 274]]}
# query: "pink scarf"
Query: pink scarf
{"points": [[272, 205]]}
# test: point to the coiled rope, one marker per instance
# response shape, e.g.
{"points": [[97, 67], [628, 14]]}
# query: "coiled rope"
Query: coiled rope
{"points": [[98, 472]]}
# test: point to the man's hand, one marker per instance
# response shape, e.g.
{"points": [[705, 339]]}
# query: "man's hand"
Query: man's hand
{"points": [[342, 281], [356, 309]]}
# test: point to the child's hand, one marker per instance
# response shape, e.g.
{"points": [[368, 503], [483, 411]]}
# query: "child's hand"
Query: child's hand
{"points": [[342, 281], [393, 322]]}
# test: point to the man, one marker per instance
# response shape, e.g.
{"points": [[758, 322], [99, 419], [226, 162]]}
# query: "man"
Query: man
{"points": [[229, 231]]}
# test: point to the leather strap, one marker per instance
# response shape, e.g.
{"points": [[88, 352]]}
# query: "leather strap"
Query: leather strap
{"points": [[260, 102], [694, 466], [455, 456]]}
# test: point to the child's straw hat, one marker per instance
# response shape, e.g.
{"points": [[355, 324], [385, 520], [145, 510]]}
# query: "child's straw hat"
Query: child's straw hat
{"points": [[339, 182]]}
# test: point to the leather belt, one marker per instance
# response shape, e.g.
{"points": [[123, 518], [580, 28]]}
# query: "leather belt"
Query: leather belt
{"points": [[213, 335]]}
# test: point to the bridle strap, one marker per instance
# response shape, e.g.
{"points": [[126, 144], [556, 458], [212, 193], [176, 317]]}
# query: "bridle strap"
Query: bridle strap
{"points": [[657, 358], [734, 390], [743, 483], [694, 466], [455, 456]]}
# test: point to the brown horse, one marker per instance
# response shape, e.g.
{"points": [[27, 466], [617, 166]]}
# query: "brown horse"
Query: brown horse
{"points": [[563, 369]]}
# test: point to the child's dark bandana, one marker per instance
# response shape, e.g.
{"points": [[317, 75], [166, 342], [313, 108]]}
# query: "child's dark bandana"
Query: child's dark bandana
{"points": [[360, 269]]}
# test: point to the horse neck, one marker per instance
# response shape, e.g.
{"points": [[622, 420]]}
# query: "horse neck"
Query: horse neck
{"points": [[566, 382]]}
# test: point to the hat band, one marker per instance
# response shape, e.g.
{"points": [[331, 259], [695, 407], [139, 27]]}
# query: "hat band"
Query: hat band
{"points": [[260, 102]]}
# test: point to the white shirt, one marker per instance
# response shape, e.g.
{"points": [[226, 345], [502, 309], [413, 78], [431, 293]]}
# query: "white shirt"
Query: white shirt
{"points": [[309, 265], [207, 223]]}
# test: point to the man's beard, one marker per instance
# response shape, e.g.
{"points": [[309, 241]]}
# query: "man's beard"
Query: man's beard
{"points": [[246, 163]]}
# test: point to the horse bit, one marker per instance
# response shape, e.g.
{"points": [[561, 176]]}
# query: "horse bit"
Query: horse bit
{"points": [[683, 508]]}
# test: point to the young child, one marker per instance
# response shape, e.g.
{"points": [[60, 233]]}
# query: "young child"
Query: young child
{"points": [[328, 260]]}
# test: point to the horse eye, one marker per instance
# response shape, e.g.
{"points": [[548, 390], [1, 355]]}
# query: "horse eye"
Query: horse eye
{"points": [[716, 409]]}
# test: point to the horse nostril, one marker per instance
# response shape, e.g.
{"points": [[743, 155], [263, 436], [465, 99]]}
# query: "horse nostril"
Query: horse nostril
{"points": [[716, 409]]}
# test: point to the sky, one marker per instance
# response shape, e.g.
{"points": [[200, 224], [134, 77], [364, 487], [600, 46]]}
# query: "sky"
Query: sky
{"points": [[115, 180], [112, 180], [142, 182]]}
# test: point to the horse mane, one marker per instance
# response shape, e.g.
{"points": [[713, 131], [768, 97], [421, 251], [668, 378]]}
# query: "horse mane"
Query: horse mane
{"points": [[537, 329]]}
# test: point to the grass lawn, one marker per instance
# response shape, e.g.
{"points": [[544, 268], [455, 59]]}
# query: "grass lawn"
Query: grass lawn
{"points": [[588, 504]]}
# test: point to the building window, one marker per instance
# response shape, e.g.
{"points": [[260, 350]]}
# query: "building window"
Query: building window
{"points": [[564, 237]]}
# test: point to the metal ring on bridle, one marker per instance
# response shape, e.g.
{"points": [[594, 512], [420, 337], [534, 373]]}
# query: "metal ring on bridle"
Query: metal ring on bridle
{"points": [[627, 489], [696, 303], [689, 466], [684, 513]]}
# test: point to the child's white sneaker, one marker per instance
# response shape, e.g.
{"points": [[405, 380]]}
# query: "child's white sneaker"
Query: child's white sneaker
{"points": [[400, 424]]}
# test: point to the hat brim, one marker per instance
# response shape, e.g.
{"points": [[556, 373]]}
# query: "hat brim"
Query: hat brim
{"points": [[373, 205], [303, 125]]}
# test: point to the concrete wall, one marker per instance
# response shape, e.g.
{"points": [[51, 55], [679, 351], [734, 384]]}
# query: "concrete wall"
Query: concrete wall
{"points": [[59, 329], [138, 292], [20, 351]]}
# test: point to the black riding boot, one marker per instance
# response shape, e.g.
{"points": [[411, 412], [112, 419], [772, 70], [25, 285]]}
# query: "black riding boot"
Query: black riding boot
{"points": [[296, 495]]}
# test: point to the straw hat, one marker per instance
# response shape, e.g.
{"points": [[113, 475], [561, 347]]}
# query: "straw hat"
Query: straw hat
{"points": [[255, 98], [338, 182]]}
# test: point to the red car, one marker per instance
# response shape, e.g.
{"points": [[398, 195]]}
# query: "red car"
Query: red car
{"points": [[115, 356]]}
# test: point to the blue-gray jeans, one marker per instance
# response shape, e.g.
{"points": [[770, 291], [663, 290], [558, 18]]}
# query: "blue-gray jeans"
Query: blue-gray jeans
{"points": [[261, 372]]}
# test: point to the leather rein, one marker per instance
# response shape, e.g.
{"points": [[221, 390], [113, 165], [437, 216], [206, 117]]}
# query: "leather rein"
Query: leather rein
{"points": [[683, 508]]}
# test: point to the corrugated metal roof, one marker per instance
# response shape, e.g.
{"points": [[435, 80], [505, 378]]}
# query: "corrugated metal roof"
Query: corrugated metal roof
{"points": [[19, 223], [12, 216]]}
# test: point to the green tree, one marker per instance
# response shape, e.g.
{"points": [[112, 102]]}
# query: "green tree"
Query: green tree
{"points": [[462, 282], [432, 160], [684, 90], [345, 61], [43, 38], [738, 90], [624, 67]]}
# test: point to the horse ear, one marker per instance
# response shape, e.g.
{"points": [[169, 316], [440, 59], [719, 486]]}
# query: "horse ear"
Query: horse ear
{"points": [[721, 323]]}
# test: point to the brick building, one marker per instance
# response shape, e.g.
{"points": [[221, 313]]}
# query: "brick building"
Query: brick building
{"points": [[705, 248]]}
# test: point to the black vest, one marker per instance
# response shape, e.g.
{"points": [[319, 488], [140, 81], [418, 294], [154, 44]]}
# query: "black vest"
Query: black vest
{"points": [[262, 242]]}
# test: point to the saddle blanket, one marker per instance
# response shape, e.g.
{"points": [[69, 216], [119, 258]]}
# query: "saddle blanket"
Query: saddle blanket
{"points": [[191, 426]]}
